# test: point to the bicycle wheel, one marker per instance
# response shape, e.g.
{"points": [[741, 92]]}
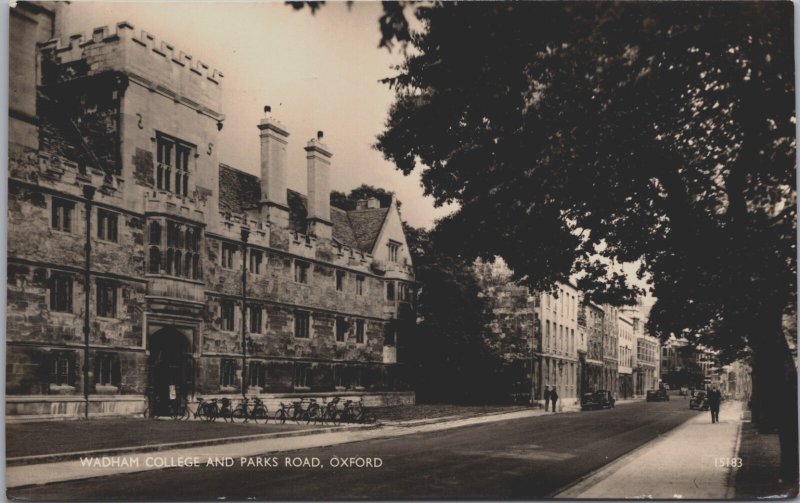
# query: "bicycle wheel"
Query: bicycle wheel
{"points": [[238, 414], [200, 413], [260, 414], [211, 414], [280, 416], [334, 417], [312, 415]]}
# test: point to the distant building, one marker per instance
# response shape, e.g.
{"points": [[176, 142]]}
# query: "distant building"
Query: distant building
{"points": [[590, 322], [683, 365], [557, 358], [626, 355]]}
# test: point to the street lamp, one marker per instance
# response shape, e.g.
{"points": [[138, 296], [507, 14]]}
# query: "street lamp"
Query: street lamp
{"points": [[245, 236], [88, 194]]}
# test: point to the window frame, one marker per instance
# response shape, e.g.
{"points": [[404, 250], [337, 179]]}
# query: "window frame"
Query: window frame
{"points": [[107, 221], [255, 311], [340, 328], [66, 292], [302, 271], [55, 373], [394, 251], [106, 307], [301, 372], [107, 371], [257, 369], [256, 259], [227, 373], [227, 324], [173, 165], [391, 295], [61, 214], [227, 254], [339, 279], [301, 320], [360, 282], [361, 331]]}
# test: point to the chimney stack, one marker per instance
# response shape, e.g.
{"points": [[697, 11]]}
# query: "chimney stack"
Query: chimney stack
{"points": [[319, 187], [274, 139]]}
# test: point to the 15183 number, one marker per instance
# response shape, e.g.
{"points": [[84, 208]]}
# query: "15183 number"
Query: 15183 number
{"points": [[728, 462]]}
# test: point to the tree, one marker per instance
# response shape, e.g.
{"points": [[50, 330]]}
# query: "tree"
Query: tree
{"points": [[363, 191], [447, 351], [579, 135]]}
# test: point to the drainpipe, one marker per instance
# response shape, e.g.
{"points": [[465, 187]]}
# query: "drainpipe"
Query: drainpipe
{"points": [[245, 235], [88, 193]]}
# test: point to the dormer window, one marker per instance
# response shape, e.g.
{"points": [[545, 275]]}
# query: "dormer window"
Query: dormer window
{"points": [[172, 165]]}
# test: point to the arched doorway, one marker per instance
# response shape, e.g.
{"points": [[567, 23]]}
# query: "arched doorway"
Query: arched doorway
{"points": [[170, 369]]}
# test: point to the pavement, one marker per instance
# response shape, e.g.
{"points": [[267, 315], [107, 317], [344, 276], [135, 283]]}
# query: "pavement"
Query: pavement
{"points": [[686, 463]]}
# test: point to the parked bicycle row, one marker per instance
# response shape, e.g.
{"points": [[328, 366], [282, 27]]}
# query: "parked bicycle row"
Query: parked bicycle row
{"points": [[303, 411]]}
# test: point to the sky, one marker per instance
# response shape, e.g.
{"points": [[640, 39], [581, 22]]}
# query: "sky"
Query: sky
{"points": [[317, 72]]}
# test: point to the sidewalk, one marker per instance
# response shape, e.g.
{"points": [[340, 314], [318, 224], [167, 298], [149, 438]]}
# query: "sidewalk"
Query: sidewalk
{"points": [[680, 465]]}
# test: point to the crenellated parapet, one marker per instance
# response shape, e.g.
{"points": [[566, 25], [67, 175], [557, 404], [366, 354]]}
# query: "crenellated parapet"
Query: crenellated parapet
{"points": [[152, 63]]}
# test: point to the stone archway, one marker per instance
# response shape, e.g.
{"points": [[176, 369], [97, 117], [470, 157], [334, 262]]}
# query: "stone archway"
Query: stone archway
{"points": [[169, 369]]}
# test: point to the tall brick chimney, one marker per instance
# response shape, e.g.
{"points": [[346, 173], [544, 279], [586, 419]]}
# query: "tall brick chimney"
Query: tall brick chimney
{"points": [[274, 138], [319, 187]]}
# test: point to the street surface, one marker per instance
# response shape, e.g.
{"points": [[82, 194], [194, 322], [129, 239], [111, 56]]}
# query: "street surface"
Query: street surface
{"points": [[521, 458]]}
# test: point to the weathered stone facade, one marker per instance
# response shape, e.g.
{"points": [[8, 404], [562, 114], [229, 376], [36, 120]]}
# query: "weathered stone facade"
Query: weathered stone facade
{"points": [[175, 236]]}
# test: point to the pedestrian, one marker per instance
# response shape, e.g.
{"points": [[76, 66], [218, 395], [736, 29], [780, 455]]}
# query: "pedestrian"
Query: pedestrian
{"points": [[554, 398], [714, 398], [547, 398]]}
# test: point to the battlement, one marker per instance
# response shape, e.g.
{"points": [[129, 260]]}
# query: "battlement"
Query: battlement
{"points": [[148, 61]]}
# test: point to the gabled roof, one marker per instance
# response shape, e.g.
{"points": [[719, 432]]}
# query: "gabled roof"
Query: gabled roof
{"points": [[366, 225], [357, 229], [238, 191]]}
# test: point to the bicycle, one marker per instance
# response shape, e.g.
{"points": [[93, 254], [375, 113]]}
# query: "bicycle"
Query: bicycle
{"points": [[244, 411], [180, 410], [282, 414], [330, 411], [259, 411], [225, 411]]}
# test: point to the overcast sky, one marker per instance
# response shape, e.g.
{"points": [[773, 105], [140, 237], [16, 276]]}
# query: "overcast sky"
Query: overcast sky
{"points": [[317, 72]]}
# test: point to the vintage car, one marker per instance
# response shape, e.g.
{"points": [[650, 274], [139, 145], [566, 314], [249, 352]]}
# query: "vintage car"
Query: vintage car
{"points": [[599, 399], [699, 401], [657, 395]]}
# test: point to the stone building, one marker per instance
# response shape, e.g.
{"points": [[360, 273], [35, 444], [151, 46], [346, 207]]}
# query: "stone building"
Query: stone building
{"points": [[591, 321], [626, 355], [199, 278], [558, 363], [610, 349]]}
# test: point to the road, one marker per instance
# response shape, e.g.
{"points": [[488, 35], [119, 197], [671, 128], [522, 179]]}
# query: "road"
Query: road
{"points": [[523, 458]]}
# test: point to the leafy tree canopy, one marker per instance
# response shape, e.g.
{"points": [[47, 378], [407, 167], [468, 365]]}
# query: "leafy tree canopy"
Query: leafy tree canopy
{"points": [[575, 135], [364, 191]]}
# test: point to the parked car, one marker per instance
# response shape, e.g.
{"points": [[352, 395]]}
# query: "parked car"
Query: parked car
{"points": [[599, 399], [657, 395], [699, 402]]}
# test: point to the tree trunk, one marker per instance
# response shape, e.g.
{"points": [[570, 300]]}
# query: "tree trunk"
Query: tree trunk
{"points": [[774, 399]]}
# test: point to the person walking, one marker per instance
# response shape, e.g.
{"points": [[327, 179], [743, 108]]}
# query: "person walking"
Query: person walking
{"points": [[714, 398], [547, 398], [554, 398]]}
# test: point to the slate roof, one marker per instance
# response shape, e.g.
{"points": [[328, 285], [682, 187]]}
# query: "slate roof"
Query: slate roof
{"points": [[357, 229]]}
